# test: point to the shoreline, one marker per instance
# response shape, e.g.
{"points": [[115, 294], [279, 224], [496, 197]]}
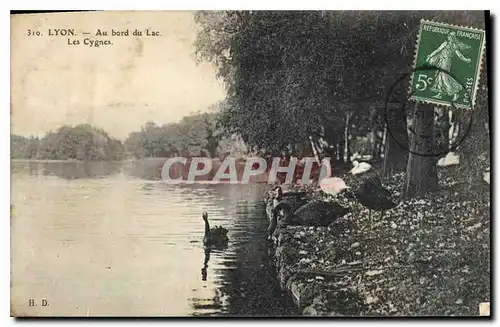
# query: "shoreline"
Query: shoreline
{"points": [[427, 257], [306, 287]]}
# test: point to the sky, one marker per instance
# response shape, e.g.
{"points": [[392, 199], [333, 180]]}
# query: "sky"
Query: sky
{"points": [[117, 87]]}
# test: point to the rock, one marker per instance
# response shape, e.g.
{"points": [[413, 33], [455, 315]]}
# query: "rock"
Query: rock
{"points": [[354, 245], [459, 301]]}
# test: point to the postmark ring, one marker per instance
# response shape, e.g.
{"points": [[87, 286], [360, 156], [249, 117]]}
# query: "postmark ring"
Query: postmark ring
{"points": [[453, 146]]}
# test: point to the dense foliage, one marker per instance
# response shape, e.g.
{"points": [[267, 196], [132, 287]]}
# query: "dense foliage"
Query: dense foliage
{"points": [[303, 81], [194, 135]]}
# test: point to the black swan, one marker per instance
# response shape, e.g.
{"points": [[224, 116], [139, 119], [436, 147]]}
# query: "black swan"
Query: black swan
{"points": [[374, 196], [215, 236], [274, 216], [314, 213], [317, 213], [294, 199], [281, 202]]}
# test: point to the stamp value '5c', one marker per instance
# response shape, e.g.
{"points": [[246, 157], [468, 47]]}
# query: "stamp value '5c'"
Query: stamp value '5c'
{"points": [[453, 56]]}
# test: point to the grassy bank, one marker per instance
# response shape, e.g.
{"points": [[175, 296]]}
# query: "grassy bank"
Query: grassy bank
{"points": [[428, 256]]}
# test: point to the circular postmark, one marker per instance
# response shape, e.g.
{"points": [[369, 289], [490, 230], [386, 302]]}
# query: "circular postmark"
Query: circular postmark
{"points": [[399, 113]]}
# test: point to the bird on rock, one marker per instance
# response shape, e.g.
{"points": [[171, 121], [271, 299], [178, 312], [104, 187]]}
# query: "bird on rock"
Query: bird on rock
{"points": [[275, 217], [293, 199], [280, 204], [317, 213], [314, 213]]}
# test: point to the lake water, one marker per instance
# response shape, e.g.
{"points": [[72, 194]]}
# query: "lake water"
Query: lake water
{"points": [[93, 240]]}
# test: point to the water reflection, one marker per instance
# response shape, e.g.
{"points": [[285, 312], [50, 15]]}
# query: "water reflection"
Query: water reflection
{"points": [[67, 169], [118, 245], [205, 265]]}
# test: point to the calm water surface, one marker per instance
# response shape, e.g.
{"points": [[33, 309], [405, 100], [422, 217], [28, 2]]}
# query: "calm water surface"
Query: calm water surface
{"points": [[93, 240]]}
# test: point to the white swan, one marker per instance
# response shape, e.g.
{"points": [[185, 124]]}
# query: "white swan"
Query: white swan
{"points": [[332, 185], [360, 167], [450, 159]]}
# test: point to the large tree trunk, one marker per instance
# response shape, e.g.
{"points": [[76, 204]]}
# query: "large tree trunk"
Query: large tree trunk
{"points": [[396, 143], [421, 171]]}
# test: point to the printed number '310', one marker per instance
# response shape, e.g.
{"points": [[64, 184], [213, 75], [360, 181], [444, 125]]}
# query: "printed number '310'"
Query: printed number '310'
{"points": [[422, 82]]}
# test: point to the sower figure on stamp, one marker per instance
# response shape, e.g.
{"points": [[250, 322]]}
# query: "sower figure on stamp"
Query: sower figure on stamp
{"points": [[441, 58]]}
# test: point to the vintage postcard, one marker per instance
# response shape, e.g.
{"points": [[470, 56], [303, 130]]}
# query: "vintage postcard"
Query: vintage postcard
{"points": [[250, 163]]}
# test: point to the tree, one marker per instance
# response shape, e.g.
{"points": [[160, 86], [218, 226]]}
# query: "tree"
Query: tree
{"points": [[296, 77], [193, 135], [422, 172], [81, 142]]}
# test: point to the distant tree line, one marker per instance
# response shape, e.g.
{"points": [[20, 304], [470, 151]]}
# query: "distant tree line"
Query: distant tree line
{"points": [[191, 136], [194, 135], [81, 142]]}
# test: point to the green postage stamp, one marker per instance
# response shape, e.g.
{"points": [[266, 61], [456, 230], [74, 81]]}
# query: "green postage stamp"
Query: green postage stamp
{"points": [[447, 64]]}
